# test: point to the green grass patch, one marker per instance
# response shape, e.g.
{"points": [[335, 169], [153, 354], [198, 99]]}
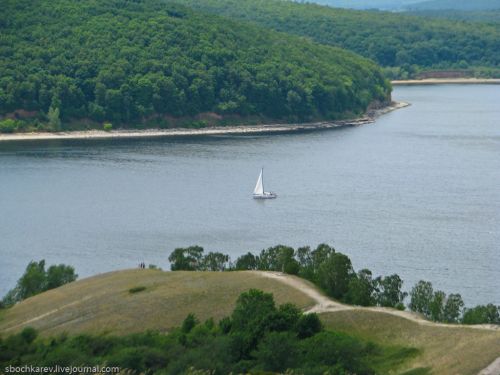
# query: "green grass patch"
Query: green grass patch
{"points": [[418, 371], [443, 350], [387, 358]]}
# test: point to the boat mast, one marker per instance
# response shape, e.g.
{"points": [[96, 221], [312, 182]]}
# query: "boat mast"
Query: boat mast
{"points": [[262, 179]]}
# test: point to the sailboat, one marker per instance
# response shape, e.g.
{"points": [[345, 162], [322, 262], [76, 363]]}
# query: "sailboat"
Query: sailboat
{"points": [[258, 192]]}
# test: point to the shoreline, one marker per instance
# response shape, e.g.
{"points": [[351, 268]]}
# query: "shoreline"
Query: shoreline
{"points": [[368, 118], [447, 81]]}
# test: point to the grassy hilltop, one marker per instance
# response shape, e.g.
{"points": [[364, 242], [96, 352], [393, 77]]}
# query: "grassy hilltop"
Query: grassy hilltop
{"points": [[136, 300], [104, 302]]}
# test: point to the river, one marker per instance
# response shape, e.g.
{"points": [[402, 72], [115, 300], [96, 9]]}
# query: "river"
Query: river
{"points": [[416, 193]]}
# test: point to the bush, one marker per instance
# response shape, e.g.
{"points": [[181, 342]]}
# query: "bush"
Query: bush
{"points": [[54, 119], [308, 325], [107, 126], [136, 289], [197, 124], [277, 352], [8, 126], [29, 334], [189, 323], [489, 314]]}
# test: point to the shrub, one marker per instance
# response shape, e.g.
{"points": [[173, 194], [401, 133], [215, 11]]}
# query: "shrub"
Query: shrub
{"points": [[107, 126], [277, 352], [136, 289], [29, 334], [8, 126], [308, 325], [189, 323], [54, 119], [489, 314]]}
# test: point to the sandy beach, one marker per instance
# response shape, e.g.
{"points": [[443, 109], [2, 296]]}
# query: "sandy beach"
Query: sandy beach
{"points": [[240, 129], [439, 81]]}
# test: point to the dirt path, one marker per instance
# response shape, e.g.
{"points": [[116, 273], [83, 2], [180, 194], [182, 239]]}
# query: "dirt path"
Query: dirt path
{"points": [[51, 312], [325, 304], [493, 369]]}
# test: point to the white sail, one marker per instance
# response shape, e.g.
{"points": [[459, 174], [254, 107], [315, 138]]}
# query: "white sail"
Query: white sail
{"points": [[259, 187]]}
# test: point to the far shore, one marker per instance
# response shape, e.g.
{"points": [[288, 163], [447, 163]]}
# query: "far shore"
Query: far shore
{"points": [[439, 81], [370, 117]]}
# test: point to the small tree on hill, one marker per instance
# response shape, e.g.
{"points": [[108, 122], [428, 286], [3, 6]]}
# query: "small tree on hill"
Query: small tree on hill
{"points": [[186, 259], [389, 293], [60, 275], [334, 275], [436, 306], [36, 280], [361, 289], [214, 262], [247, 262], [421, 297], [453, 308]]}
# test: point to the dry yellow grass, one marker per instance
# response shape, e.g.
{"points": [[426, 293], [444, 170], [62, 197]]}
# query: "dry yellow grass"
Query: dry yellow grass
{"points": [[446, 350], [104, 304]]}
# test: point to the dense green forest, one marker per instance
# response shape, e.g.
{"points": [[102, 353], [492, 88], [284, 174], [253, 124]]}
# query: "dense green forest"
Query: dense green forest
{"points": [[486, 16], [404, 44], [457, 5], [259, 337], [364, 4], [132, 62]]}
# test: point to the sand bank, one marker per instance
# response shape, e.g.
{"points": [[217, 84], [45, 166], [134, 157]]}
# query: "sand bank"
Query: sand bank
{"points": [[240, 129], [439, 81]]}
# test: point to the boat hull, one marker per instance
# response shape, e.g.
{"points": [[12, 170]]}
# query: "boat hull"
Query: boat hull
{"points": [[266, 195]]}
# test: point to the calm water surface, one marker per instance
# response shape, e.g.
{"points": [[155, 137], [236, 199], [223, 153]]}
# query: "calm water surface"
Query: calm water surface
{"points": [[416, 193]]}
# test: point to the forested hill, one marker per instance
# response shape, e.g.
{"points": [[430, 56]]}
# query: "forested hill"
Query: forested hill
{"points": [[365, 4], [405, 43], [457, 5], [484, 16], [144, 61]]}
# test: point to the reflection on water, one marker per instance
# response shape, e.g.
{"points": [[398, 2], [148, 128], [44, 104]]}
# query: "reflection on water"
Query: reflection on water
{"points": [[415, 193]]}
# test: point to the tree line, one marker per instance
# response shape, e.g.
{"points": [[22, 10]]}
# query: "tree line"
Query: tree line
{"points": [[155, 63], [333, 272], [330, 270], [402, 43], [258, 337]]}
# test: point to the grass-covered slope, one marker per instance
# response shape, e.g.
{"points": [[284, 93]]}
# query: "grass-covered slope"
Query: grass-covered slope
{"points": [[109, 302], [445, 350], [136, 61], [391, 39]]}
